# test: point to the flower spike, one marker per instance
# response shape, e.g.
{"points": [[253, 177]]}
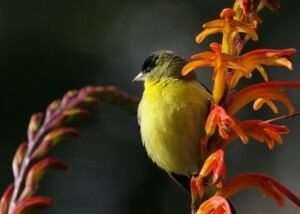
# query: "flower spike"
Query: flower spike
{"points": [[238, 25], [227, 25]]}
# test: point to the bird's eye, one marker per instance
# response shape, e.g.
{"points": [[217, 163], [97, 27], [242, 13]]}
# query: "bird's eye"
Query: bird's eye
{"points": [[149, 64], [148, 69]]}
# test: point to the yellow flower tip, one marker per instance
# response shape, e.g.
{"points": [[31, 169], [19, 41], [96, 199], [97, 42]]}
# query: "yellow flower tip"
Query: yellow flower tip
{"points": [[261, 101], [211, 123], [266, 184], [219, 85], [200, 37], [227, 13], [234, 78], [237, 129], [262, 72], [210, 30], [187, 68], [258, 104], [215, 205]]}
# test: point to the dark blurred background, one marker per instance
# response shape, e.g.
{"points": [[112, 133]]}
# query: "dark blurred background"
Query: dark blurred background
{"points": [[49, 47]]}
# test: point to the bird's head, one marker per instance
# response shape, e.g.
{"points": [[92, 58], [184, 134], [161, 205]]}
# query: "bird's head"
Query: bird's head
{"points": [[163, 64]]}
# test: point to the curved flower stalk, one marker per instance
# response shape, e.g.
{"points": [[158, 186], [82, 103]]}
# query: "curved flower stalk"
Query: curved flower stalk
{"points": [[44, 132], [238, 25]]}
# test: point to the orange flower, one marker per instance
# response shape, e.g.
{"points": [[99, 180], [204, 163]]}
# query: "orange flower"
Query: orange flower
{"points": [[241, 66], [264, 92], [215, 59], [215, 205], [260, 130], [215, 164], [227, 25], [266, 184], [219, 117], [244, 65]]}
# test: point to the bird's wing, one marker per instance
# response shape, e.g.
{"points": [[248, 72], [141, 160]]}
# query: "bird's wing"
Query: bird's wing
{"points": [[182, 180]]}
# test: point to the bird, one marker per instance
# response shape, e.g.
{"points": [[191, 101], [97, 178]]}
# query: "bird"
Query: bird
{"points": [[172, 115]]}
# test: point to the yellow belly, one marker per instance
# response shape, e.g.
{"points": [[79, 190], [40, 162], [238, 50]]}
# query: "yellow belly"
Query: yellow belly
{"points": [[172, 115]]}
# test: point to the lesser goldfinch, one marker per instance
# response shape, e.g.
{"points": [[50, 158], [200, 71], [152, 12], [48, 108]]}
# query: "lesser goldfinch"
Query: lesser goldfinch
{"points": [[172, 114]]}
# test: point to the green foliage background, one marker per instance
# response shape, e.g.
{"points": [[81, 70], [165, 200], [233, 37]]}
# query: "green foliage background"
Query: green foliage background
{"points": [[49, 47]]}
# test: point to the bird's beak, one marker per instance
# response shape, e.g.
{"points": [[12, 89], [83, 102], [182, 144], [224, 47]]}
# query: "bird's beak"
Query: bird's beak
{"points": [[139, 78]]}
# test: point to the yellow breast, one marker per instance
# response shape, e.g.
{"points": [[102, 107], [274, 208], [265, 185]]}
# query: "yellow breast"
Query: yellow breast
{"points": [[172, 115]]}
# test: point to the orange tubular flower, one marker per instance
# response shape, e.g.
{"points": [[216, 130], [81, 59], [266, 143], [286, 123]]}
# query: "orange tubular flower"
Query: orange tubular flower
{"points": [[215, 205], [266, 184], [242, 65], [264, 92], [227, 25], [260, 131], [219, 117], [245, 64], [214, 163], [215, 59]]}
